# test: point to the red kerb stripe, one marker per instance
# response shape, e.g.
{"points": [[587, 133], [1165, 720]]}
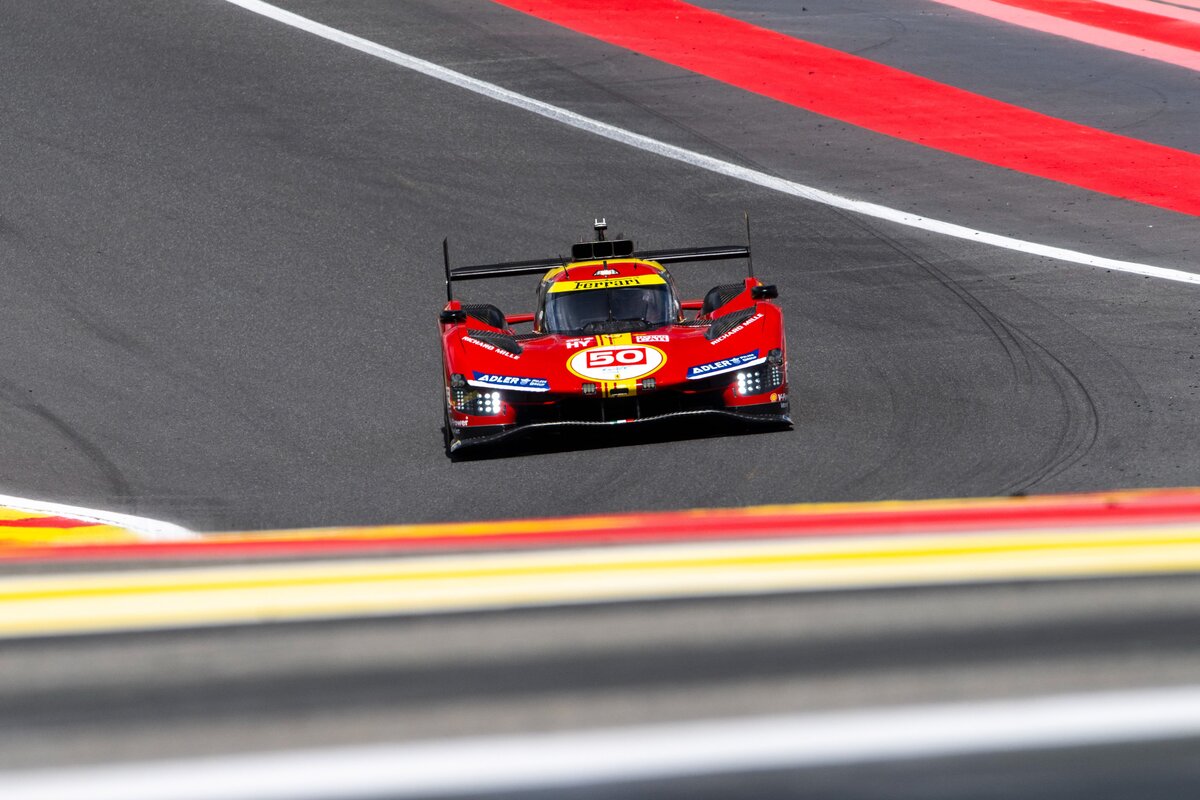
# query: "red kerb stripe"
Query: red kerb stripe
{"points": [[883, 99], [46, 522], [1066, 513], [1166, 30]]}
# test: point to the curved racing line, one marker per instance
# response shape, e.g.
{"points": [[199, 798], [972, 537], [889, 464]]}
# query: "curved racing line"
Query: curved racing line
{"points": [[701, 161]]}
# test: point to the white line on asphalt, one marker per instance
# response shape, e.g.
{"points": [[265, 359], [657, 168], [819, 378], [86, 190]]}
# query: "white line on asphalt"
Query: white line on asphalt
{"points": [[149, 529], [652, 752], [700, 160]]}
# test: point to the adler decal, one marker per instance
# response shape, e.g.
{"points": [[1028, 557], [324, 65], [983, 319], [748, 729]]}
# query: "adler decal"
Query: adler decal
{"points": [[724, 365], [490, 380]]}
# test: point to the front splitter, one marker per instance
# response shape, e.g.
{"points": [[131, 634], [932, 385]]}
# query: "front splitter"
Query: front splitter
{"points": [[457, 444]]}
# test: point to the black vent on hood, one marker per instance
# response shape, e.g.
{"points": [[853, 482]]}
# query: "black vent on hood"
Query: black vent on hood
{"points": [[486, 313], [718, 296], [500, 340], [723, 325]]}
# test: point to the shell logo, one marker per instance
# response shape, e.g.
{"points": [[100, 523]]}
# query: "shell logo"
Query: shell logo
{"points": [[617, 362]]}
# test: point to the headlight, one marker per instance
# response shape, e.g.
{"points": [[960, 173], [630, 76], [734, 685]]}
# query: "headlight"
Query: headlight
{"points": [[762, 378], [476, 403]]}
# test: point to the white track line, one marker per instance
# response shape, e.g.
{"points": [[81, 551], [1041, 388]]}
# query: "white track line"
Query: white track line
{"points": [[700, 160], [582, 758], [150, 529]]}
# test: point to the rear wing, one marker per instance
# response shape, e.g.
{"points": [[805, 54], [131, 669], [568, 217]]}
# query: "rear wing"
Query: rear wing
{"points": [[615, 249]]}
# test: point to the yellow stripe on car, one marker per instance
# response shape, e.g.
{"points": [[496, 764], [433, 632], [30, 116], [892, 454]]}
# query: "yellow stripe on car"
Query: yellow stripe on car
{"points": [[607, 283]]}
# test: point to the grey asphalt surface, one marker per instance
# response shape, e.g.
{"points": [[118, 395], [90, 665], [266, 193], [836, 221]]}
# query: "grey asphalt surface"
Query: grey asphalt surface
{"points": [[261, 688], [219, 257], [1162, 770], [220, 260]]}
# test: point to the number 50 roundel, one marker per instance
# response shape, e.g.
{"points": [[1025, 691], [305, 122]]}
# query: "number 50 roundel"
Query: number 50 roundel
{"points": [[616, 362]]}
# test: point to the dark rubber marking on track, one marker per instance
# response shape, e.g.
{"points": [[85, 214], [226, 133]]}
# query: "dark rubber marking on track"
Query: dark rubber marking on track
{"points": [[883, 99]]}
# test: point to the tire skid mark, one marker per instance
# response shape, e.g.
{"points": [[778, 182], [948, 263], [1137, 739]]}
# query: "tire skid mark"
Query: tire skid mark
{"points": [[898, 30], [1160, 108], [108, 470], [1080, 419], [1029, 359], [1031, 364]]}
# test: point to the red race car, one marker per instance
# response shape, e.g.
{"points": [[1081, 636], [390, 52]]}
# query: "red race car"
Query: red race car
{"points": [[611, 344]]}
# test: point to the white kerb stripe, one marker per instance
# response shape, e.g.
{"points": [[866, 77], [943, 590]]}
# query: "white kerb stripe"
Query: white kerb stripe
{"points": [[1173, 8], [700, 160], [150, 529], [1080, 32], [581, 758]]}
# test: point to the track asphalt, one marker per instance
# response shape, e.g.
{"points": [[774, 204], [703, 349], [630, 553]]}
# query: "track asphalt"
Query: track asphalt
{"points": [[221, 238], [219, 241]]}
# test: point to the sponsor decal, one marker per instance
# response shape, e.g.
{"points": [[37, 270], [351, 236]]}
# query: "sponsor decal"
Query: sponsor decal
{"points": [[604, 273], [651, 337], [617, 362], [736, 329], [583, 341], [491, 347], [724, 365], [606, 283], [493, 381]]}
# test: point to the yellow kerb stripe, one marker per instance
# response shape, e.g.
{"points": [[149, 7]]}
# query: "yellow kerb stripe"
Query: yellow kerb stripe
{"points": [[44, 605]]}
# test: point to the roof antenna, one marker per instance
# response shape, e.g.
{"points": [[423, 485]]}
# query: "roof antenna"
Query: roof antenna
{"points": [[749, 257], [601, 225], [446, 262]]}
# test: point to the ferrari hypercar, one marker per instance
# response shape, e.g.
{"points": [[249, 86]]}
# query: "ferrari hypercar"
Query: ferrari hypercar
{"points": [[611, 343]]}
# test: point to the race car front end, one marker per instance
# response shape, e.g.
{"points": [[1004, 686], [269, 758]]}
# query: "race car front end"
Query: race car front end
{"points": [[498, 383], [749, 385], [611, 344]]}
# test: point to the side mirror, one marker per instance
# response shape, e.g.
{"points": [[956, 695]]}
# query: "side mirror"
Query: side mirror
{"points": [[448, 317], [768, 292]]}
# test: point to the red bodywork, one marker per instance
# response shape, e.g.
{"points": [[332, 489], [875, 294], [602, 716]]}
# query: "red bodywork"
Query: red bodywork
{"points": [[725, 355]]}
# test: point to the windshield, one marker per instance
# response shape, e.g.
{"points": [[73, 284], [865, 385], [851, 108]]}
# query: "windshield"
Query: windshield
{"points": [[629, 308]]}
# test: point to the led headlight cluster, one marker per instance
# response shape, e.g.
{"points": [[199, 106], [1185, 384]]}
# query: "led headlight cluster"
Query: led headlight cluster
{"points": [[475, 402], [480, 404], [762, 378], [750, 381], [487, 403]]}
